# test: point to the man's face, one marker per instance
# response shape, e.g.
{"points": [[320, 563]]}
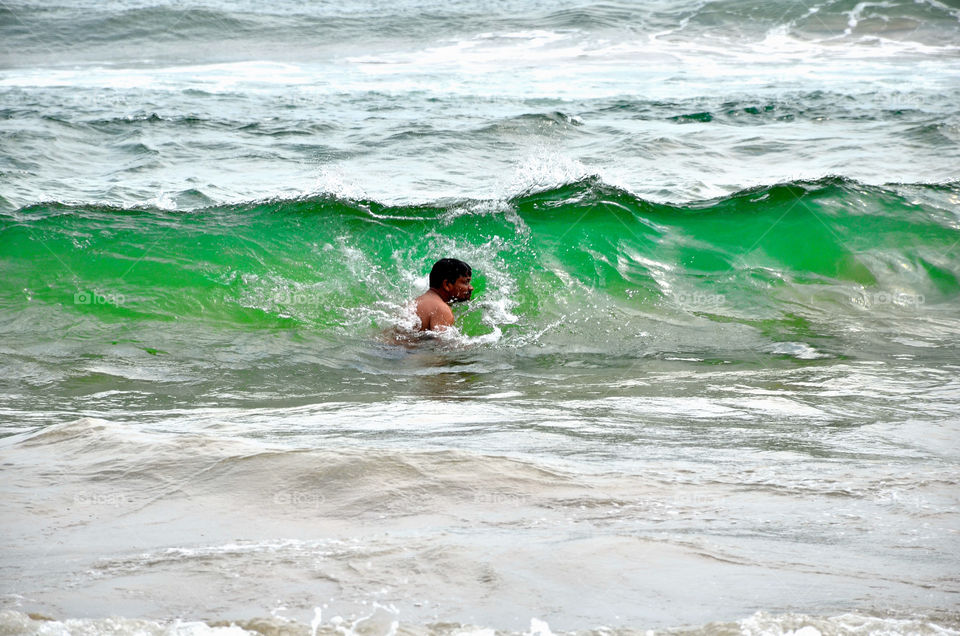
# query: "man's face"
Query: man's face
{"points": [[460, 290]]}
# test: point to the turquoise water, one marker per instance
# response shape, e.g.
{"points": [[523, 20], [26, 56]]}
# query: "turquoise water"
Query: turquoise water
{"points": [[707, 380]]}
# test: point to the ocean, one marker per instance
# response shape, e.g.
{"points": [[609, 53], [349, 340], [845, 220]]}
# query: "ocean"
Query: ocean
{"points": [[707, 382]]}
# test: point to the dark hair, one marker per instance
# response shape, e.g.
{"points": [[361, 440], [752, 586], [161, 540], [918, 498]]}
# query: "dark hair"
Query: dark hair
{"points": [[449, 269]]}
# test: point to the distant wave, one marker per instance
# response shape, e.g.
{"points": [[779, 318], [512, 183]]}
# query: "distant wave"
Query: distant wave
{"points": [[160, 29]]}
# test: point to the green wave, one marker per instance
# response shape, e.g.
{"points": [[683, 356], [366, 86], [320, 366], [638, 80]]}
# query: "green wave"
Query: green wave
{"points": [[788, 258]]}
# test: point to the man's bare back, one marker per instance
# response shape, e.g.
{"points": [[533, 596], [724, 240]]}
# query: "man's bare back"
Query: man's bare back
{"points": [[449, 283]]}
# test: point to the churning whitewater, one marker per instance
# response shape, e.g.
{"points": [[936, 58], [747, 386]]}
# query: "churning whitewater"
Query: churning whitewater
{"points": [[706, 384]]}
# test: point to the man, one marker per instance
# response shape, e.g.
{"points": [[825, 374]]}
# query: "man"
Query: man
{"points": [[449, 283]]}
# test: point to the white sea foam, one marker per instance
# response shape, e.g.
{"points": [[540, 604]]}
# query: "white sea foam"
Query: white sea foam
{"points": [[385, 621]]}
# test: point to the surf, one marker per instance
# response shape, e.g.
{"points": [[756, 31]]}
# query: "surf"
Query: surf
{"points": [[585, 273]]}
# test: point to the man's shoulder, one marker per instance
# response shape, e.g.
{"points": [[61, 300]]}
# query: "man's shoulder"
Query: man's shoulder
{"points": [[433, 311], [429, 300], [432, 304]]}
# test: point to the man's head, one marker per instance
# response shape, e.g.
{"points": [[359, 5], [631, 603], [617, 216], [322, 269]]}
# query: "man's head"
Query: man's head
{"points": [[451, 278]]}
